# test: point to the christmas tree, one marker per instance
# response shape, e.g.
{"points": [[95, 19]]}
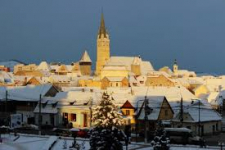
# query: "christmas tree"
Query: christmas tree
{"points": [[106, 117], [160, 141]]}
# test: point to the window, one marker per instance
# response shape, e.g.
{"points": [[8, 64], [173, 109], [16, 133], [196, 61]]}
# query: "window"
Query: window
{"points": [[41, 118], [166, 112], [73, 117], [117, 84], [134, 84], [127, 112]]}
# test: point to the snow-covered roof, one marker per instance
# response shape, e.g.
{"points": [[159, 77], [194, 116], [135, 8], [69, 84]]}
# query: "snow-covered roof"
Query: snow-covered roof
{"points": [[75, 97], [158, 73], [6, 77], [154, 102], [115, 79], [138, 80], [25, 93], [114, 68], [60, 78], [44, 66], [185, 73], [206, 112], [46, 109], [94, 89], [166, 69], [173, 94], [220, 96], [70, 99], [146, 66]]}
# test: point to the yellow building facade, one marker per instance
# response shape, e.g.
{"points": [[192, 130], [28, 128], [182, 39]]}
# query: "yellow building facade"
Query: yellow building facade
{"points": [[160, 80], [129, 112], [114, 71], [89, 83], [22, 67]]}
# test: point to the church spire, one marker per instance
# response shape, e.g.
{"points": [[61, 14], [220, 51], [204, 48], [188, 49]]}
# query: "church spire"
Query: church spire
{"points": [[175, 62], [102, 29]]}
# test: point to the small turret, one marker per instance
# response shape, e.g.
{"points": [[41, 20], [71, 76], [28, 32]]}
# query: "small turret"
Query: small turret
{"points": [[175, 67], [85, 64], [136, 66]]}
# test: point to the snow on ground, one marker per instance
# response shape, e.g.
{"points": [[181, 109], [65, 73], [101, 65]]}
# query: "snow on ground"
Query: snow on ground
{"points": [[176, 148], [23, 142], [66, 143], [34, 142], [185, 147], [7, 147]]}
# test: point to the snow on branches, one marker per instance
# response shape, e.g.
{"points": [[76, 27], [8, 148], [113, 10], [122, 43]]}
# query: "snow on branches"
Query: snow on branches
{"points": [[107, 114]]}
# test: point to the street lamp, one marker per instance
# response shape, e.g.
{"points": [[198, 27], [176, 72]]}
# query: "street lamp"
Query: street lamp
{"points": [[181, 108], [146, 117], [136, 125]]}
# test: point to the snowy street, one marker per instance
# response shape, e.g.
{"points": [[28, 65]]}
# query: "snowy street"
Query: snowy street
{"points": [[34, 142]]}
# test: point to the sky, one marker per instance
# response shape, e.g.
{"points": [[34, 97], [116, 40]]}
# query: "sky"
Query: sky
{"points": [[191, 31]]}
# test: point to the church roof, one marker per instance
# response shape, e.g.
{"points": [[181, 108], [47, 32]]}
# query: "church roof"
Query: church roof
{"points": [[146, 66], [85, 57], [102, 28]]}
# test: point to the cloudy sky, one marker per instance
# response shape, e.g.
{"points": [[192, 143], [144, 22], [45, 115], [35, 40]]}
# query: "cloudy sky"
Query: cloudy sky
{"points": [[192, 31]]}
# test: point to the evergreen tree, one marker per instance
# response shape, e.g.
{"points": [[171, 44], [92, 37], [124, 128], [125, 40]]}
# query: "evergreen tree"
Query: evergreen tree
{"points": [[107, 115], [160, 141], [105, 135]]}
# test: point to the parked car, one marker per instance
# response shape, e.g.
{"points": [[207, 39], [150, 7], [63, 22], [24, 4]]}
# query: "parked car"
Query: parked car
{"points": [[5, 129], [83, 132], [61, 132], [27, 127], [182, 135]]}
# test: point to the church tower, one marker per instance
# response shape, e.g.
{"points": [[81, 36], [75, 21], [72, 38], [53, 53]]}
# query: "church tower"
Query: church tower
{"points": [[175, 67], [103, 47]]}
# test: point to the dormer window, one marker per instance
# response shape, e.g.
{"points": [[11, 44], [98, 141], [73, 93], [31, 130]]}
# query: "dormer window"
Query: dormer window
{"points": [[54, 104], [44, 104]]}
